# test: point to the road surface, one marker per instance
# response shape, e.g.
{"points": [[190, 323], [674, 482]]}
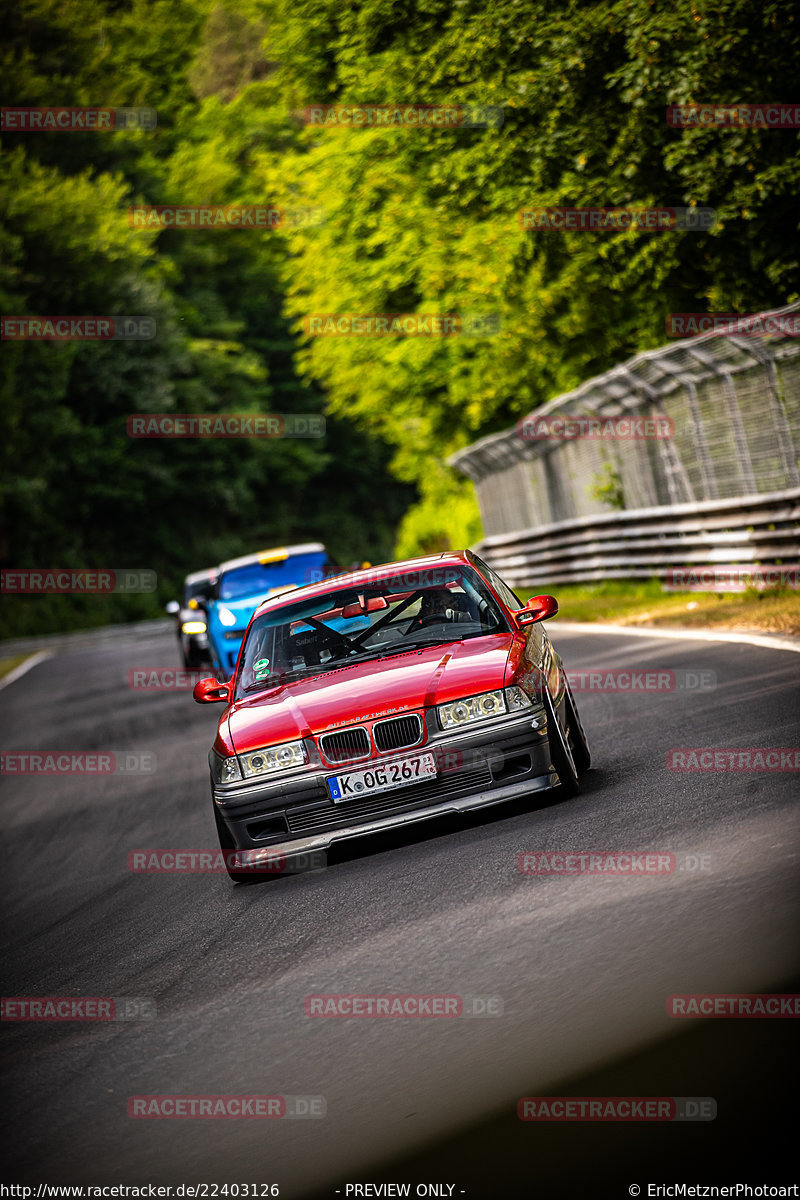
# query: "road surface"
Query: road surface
{"points": [[582, 966]]}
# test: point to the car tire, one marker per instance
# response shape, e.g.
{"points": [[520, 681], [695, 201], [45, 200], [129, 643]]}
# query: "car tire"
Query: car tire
{"points": [[581, 754], [560, 750]]}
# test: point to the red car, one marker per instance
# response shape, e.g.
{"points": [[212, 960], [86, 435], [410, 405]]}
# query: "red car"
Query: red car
{"points": [[385, 696]]}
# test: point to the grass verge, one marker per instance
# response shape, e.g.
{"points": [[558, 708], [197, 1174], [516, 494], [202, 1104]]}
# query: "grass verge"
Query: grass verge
{"points": [[774, 610], [8, 664]]}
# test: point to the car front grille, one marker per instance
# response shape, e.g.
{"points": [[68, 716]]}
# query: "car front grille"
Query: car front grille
{"points": [[398, 732], [420, 795], [345, 745]]}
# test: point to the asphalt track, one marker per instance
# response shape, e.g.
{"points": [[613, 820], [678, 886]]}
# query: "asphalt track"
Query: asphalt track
{"points": [[582, 965]]}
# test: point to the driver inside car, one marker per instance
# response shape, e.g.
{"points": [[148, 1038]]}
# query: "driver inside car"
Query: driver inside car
{"points": [[439, 606]]}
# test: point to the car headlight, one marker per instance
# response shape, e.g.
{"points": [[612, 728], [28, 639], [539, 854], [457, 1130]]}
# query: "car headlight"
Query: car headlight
{"points": [[274, 758], [471, 708], [193, 627], [224, 770], [226, 617], [517, 699]]}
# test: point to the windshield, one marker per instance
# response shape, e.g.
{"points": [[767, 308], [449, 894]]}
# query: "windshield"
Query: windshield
{"points": [[257, 579], [371, 621], [200, 589]]}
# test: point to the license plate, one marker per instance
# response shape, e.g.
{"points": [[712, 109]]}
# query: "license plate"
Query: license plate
{"points": [[383, 777]]}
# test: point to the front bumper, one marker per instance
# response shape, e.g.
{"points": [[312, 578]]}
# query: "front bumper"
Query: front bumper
{"points": [[195, 641], [495, 762]]}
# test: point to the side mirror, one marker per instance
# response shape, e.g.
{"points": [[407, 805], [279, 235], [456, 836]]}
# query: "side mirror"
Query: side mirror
{"points": [[538, 608], [197, 603], [211, 691], [173, 608]]}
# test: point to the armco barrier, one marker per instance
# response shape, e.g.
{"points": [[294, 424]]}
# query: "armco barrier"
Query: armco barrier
{"points": [[717, 485], [645, 543], [732, 404]]}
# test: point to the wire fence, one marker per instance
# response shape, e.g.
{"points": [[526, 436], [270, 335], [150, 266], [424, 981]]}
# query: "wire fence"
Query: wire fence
{"points": [[730, 405]]}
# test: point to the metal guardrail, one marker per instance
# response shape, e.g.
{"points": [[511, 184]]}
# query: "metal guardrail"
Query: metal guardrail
{"points": [[721, 486], [731, 401], [646, 543]]}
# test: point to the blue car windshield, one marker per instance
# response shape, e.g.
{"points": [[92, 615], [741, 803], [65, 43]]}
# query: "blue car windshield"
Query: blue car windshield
{"points": [[258, 579]]}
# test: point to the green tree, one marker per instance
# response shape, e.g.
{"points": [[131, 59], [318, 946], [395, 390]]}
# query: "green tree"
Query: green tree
{"points": [[425, 219], [77, 491]]}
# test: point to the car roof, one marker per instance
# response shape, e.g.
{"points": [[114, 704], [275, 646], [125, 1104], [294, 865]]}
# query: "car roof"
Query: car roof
{"points": [[276, 554], [368, 575], [201, 576]]}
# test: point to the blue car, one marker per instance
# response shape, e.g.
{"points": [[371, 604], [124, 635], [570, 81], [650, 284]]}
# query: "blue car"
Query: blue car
{"points": [[242, 583]]}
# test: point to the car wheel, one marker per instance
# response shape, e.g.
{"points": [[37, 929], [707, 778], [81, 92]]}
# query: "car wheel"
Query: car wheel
{"points": [[560, 750], [581, 754], [226, 844]]}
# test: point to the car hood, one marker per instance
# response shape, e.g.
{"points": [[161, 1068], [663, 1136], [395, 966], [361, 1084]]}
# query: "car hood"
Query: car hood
{"points": [[367, 691]]}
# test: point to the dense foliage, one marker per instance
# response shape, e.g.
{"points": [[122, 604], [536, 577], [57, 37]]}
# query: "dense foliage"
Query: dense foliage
{"points": [[77, 491], [416, 220]]}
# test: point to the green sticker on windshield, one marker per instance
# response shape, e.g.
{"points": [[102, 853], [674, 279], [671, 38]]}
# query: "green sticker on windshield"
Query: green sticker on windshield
{"points": [[261, 668]]}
